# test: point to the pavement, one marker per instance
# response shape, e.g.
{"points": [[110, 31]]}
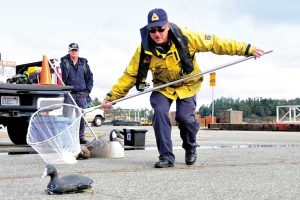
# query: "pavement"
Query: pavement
{"points": [[230, 165]]}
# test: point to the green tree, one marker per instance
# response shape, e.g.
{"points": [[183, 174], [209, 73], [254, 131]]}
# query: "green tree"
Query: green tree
{"points": [[256, 107]]}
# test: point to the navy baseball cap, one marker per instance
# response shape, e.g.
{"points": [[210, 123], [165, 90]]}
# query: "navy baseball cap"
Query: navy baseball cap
{"points": [[157, 17], [73, 46]]}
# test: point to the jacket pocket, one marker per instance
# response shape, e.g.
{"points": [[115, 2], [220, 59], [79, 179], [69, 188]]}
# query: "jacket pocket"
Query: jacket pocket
{"points": [[160, 74]]}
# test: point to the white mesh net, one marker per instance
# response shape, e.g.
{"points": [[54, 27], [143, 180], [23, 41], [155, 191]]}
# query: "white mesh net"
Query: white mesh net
{"points": [[54, 133]]}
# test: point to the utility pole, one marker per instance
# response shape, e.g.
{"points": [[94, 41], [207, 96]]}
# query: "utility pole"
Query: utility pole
{"points": [[212, 84]]}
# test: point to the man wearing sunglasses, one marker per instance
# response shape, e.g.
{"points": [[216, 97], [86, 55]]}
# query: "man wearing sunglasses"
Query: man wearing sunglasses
{"points": [[76, 72], [169, 52]]}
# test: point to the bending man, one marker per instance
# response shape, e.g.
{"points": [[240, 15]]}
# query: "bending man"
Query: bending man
{"points": [[169, 52]]}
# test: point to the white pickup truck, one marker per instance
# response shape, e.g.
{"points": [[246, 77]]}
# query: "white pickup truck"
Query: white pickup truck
{"points": [[20, 101], [96, 117]]}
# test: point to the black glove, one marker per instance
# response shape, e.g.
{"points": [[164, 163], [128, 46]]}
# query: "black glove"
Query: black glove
{"points": [[141, 86]]}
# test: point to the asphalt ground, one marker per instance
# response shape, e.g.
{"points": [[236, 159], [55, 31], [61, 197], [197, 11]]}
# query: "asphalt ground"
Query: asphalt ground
{"points": [[230, 165]]}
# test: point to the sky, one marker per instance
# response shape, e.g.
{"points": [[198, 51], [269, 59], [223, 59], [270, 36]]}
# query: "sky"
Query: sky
{"points": [[108, 34]]}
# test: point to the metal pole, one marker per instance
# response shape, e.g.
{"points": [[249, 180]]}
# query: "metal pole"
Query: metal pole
{"points": [[212, 105], [290, 113], [179, 81], [277, 114], [294, 110]]}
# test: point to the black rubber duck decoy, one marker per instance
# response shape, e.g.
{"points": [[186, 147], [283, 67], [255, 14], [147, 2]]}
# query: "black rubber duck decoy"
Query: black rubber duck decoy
{"points": [[66, 184]]}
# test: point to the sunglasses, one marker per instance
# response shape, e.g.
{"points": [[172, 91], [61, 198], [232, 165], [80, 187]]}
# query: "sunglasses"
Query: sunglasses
{"points": [[160, 30], [74, 50]]}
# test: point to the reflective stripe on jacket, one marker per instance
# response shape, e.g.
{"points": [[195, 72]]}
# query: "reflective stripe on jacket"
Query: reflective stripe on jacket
{"points": [[167, 68]]}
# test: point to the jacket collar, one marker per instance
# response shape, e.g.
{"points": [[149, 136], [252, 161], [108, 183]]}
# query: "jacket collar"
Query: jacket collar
{"points": [[145, 39], [80, 60], [145, 42]]}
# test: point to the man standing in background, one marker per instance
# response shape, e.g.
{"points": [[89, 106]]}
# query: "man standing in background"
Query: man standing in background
{"points": [[76, 72]]}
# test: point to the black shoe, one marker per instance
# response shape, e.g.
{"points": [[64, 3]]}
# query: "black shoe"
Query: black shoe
{"points": [[83, 141], [190, 157], [163, 163]]}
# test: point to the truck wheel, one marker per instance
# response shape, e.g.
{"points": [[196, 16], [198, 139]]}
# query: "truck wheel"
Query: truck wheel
{"points": [[17, 130], [98, 121]]}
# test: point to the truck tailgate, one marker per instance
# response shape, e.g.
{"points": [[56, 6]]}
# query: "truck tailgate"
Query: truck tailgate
{"points": [[17, 98], [15, 88]]}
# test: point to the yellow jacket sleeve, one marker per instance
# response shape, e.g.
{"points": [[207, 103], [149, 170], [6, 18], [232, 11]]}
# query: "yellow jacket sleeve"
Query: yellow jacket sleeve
{"points": [[127, 80], [201, 42]]}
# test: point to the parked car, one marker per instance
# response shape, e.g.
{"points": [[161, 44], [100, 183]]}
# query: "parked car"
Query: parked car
{"points": [[96, 117]]}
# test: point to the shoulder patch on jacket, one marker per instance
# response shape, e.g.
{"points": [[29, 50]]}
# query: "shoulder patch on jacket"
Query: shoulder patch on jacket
{"points": [[207, 37]]}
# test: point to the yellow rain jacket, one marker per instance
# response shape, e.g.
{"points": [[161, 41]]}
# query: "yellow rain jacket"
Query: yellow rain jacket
{"points": [[167, 68]]}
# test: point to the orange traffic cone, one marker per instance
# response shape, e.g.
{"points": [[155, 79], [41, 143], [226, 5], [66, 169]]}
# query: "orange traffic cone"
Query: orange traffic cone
{"points": [[45, 73]]}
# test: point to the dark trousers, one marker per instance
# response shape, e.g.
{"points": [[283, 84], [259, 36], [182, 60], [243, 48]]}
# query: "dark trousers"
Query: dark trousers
{"points": [[185, 117], [81, 101]]}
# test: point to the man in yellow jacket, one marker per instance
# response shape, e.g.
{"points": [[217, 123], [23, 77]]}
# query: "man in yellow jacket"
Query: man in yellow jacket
{"points": [[169, 52]]}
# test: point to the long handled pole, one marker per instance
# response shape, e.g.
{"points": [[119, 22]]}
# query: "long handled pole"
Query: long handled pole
{"points": [[178, 81]]}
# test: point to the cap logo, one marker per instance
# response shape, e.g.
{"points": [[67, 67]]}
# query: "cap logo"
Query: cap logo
{"points": [[154, 17]]}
